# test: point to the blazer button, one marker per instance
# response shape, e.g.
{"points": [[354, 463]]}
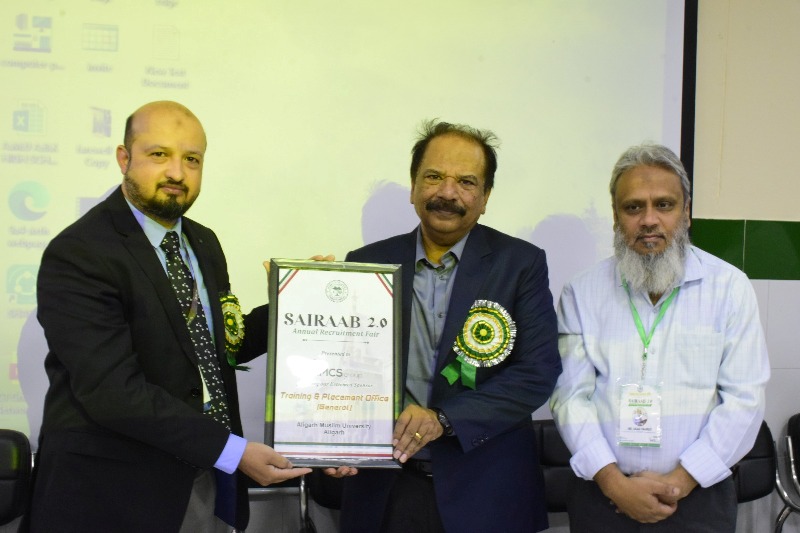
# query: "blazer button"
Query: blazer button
{"points": [[195, 392], [480, 440]]}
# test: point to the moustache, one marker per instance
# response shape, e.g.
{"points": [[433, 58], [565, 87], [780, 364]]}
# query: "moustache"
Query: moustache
{"points": [[650, 234], [445, 205], [175, 184]]}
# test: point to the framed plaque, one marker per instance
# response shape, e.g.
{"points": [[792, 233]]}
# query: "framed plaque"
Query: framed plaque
{"points": [[334, 373]]}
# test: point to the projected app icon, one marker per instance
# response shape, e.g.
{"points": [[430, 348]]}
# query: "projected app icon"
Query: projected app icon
{"points": [[100, 37], [34, 33], [101, 122], [28, 118], [87, 202], [21, 284], [166, 42], [28, 200]]}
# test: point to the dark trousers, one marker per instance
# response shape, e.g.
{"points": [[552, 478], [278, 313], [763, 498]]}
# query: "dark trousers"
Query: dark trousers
{"points": [[412, 505], [710, 510]]}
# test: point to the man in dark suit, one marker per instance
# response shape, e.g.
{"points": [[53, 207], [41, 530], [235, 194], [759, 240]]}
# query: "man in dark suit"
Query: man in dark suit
{"points": [[479, 356], [141, 427]]}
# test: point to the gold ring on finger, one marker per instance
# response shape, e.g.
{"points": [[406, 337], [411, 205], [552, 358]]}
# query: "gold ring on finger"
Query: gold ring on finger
{"points": [[417, 436]]}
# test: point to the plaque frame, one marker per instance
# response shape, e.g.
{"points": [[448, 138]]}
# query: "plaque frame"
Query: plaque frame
{"points": [[301, 440]]}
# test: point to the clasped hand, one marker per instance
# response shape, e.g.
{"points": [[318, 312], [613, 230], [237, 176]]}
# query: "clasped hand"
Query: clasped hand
{"points": [[646, 497]]}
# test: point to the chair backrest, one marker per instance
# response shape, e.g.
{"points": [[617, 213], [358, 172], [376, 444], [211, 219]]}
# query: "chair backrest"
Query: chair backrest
{"points": [[15, 474], [754, 475], [793, 451], [793, 431], [554, 457]]}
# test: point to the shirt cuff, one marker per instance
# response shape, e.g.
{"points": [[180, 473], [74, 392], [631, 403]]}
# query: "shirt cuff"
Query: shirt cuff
{"points": [[231, 454], [590, 459], [704, 464]]}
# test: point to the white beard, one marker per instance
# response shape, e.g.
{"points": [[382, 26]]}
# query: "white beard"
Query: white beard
{"points": [[654, 273]]}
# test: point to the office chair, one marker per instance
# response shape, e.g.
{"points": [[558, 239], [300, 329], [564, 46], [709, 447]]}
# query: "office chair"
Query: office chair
{"points": [[752, 475], [791, 497], [554, 457], [15, 474]]}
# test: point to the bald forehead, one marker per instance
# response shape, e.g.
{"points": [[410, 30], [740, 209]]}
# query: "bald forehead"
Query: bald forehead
{"points": [[164, 106], [164, 114]]}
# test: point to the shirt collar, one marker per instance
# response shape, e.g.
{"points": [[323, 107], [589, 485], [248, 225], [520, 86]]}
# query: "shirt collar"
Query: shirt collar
{"points": [[693, 267], [154, 231], [457, 250]]}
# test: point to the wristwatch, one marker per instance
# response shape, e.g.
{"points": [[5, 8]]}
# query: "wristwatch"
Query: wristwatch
{"points": [[446, 425]]}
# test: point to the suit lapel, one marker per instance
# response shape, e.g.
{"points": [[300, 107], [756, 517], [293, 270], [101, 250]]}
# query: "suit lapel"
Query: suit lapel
{"points": [[408, 251], [135, 241], [472, 271], [401, 250]]}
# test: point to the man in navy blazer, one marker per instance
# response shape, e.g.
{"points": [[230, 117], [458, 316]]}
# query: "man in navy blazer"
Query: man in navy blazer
{"points": [[125, 445], [479, 356]]}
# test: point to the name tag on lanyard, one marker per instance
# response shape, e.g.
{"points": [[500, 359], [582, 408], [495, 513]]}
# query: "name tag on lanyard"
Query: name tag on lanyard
{"points": [[640, 401]]}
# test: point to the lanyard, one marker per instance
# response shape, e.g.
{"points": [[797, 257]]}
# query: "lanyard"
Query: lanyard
{"points": [[646, 338]]}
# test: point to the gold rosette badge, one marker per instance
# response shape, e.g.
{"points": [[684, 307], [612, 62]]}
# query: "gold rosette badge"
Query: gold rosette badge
{"points": [[486, 339], [233, 320]]}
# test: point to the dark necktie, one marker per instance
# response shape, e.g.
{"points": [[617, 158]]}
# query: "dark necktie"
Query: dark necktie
{"points": [[189, 299]]}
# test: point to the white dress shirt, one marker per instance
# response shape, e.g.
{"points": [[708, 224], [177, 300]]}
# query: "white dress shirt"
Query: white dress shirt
{"points": [[708, 354]]}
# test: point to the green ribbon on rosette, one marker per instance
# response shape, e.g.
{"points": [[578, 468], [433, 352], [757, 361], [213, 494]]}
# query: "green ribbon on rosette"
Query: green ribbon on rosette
{"points": [[233, 321], [486, 339]]}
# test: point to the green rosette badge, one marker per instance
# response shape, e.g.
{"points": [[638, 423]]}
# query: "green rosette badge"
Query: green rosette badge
{"points": [[233, 320], [485, 340]]}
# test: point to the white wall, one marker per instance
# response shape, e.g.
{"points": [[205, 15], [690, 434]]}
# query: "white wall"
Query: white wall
{"points": [[747, 134]]}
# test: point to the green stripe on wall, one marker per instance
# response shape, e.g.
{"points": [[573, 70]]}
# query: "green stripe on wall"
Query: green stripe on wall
{"points": [[723, 238], [763, 249]]}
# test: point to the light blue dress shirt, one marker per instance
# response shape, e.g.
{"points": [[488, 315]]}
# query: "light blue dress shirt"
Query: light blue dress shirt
{"points": [[231, 455], [432, 287]]}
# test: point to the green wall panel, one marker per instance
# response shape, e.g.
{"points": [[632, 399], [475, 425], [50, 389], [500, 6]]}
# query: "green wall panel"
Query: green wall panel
{"points": [[772, 249], [723, 238], [764, 249]]}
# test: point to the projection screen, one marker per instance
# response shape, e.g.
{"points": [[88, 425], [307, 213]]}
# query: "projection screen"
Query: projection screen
{"points": [[311, 109]]}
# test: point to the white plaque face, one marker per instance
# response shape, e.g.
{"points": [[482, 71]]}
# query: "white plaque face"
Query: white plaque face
{"points": [[332, 377]]}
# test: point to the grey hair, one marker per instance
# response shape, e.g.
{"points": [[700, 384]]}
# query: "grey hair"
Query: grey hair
{"points": [[652, 155]]}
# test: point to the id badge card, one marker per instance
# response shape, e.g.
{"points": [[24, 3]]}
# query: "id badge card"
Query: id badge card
{"points": [[639, 415]]}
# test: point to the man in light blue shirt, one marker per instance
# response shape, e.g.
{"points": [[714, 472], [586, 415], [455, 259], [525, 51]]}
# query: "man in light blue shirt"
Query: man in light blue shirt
{"points": [[665, 366]]}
